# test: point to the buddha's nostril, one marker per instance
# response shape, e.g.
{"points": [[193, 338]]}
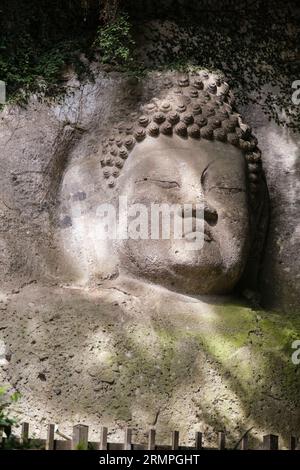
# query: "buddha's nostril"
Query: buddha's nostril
{"points": [[210, 215]]}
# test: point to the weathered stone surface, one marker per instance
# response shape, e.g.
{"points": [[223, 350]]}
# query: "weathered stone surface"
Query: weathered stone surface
{"points": [[280, 274], [129, 353]]}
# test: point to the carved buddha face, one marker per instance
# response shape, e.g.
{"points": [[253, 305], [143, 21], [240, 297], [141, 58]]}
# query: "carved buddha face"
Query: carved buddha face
{"points": [[171, 170], [190, 147]]}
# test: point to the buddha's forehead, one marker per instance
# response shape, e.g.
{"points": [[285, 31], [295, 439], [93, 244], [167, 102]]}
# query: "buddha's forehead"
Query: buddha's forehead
{"points": [[174, 156]]}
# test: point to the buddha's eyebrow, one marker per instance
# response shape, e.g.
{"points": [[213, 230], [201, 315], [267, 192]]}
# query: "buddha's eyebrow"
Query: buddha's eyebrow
{"points": [[205, 171]]}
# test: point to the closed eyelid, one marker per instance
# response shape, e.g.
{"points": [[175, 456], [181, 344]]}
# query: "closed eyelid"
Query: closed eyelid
{"points": [[164, 183], [230, 189], [220, 187]]}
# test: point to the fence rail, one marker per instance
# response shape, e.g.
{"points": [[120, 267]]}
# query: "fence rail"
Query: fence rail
{"points": [[80, 441]]}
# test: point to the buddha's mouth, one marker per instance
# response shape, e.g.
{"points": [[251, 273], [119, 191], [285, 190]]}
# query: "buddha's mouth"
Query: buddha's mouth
{"points": [[207, 237]]}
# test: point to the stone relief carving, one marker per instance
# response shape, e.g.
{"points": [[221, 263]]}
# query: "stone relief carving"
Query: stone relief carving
{"points": [[190, 144]]}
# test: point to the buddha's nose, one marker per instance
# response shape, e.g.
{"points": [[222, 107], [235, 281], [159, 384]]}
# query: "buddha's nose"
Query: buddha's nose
{"points": [[199, 211]]}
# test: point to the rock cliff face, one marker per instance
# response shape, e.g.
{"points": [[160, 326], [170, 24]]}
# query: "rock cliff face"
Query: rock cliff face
{"points": [[50, 167], [41, 146], [280, 275], [68, 330]]}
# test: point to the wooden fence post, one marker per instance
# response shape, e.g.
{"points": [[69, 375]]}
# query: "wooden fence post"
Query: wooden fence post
{"points": [[245, 443], [175, 440], [103, 438], [221, 440], [293, 443], [25, 433], [151, 439], [270, 442], [50, 437], [127, 439], [198, 440], [80, 437]]}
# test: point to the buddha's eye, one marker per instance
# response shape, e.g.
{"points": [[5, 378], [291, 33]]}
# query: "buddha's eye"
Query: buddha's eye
{"points": [[226, 189], [210, 181], [222, 186], [162, 183]]}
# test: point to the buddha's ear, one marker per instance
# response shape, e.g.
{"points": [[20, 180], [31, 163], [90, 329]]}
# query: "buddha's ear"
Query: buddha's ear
{"points": [[259, 229]]}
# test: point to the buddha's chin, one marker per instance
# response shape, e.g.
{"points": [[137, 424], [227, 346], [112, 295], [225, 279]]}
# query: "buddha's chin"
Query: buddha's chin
{"points": [[191, 282], [191, 271], [199, 279], [193, 277]]}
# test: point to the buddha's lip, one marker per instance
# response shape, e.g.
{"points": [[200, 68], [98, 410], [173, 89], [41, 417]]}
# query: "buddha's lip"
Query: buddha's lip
{"points": [[208, 237]]}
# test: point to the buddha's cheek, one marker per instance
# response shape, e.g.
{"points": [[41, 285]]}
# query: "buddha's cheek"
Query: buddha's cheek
{"points": [[231, 233]]}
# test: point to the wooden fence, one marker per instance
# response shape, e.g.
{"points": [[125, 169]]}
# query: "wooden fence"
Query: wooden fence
{"points": [[80, 441]]}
